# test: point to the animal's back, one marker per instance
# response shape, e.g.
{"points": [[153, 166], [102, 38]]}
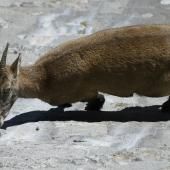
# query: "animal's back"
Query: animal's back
{"points": [[132, 41], [118, 61]]}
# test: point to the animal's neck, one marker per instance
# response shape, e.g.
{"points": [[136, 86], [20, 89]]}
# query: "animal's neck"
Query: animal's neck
{"points": [[30, 82]]}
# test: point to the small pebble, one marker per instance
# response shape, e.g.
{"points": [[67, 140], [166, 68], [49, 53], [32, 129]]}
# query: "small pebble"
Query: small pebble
{"points": [[78, 140], [37, 129]]}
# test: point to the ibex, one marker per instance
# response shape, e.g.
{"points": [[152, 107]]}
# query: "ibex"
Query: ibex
{"points": [[117, 61]]}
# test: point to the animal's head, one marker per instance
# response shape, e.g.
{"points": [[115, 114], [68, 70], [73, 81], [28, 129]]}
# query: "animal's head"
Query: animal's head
{"points": [[8, 84]]}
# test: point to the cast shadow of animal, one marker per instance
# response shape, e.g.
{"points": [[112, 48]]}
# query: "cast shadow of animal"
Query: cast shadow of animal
{"points": [[146, 114]]}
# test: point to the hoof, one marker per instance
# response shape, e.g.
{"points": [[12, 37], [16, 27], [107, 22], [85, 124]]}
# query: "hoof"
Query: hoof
{"points": [[63, 106], [96, 104]]}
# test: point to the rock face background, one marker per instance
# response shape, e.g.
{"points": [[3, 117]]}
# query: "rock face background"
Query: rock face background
{"points": [[137, 137]]}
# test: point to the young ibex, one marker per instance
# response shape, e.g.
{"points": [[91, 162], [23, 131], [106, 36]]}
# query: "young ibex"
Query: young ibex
{"points": [[118, 61]]}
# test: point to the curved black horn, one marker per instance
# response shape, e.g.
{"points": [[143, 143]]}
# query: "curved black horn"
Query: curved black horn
{"points": [[4, 55]]}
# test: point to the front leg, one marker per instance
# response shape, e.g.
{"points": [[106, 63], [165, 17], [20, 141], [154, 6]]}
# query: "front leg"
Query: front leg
{"points": [[166, 106]]}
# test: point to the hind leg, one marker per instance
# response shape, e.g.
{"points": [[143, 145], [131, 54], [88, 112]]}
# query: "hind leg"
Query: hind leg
{"points": [[166, 106], [96, 103]]}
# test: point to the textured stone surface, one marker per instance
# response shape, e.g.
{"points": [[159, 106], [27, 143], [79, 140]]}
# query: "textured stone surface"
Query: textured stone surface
{"points": [[136, 138]]}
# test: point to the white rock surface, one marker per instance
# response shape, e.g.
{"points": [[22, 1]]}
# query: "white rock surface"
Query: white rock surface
{"points": [[165, 2]]}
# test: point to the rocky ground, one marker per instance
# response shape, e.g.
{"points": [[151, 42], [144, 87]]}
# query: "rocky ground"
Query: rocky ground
{"points": [[134, 135]]}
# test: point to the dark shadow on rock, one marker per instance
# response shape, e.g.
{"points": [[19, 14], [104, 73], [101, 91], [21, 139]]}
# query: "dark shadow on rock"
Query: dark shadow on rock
{"points": [[141, 114]]}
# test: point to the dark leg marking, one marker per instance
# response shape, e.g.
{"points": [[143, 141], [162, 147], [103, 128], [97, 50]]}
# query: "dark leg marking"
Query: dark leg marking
{"points": [[63, 106], [95, 104]]}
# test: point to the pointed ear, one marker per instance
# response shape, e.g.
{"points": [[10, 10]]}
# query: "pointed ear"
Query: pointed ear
{"points": [[15, 67]]}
